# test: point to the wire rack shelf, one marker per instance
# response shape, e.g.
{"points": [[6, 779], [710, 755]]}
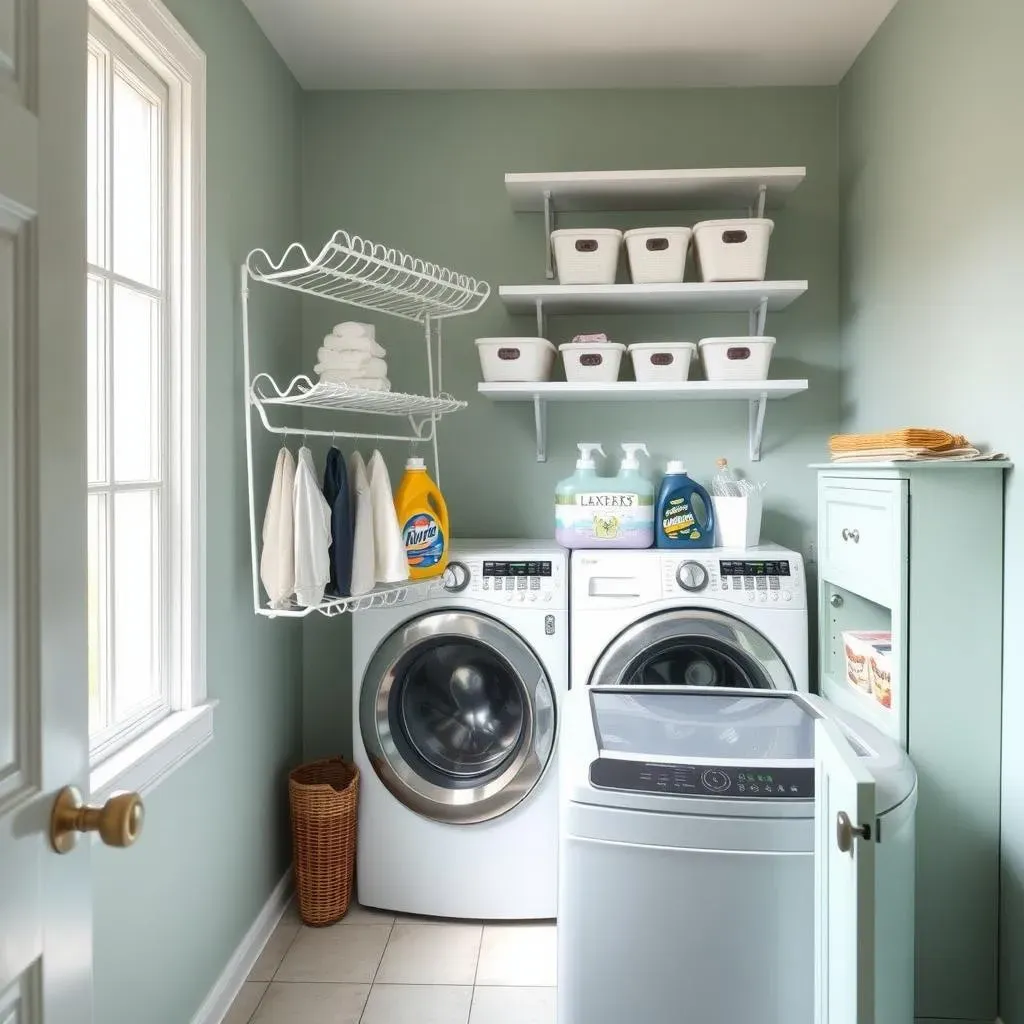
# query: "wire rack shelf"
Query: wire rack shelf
{"points": [[372, 276], [380, 597]]}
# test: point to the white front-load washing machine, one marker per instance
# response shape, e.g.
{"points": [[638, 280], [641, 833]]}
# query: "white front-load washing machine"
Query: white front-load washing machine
{"points": [[455, 718], [715, 617], [732, 857]]}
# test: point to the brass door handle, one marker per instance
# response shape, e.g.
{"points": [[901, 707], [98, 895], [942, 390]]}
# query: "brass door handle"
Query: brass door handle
{"points": [[118, 821]]}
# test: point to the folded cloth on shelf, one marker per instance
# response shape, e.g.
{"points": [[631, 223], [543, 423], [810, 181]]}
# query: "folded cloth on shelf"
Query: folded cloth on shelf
{"points": [[589, 339], [355, 364], [366, 383], [367, 346], [968, 454], [354, 329], [916, 438]]}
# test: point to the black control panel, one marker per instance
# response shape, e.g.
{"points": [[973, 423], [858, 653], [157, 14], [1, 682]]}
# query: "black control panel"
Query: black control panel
{"points": [[757, 569], [517, 568], [703, 780]]}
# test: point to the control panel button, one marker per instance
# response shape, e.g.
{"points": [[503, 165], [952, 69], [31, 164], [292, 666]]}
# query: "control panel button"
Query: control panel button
{"points": [[762, 597], [692, 577], [716, 780], [787, 596], [533, 597], [547, 596], [750, 597]]}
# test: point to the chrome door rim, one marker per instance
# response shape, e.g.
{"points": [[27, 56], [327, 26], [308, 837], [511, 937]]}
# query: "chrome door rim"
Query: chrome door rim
{"points": [[747, 643], [498, 794]]}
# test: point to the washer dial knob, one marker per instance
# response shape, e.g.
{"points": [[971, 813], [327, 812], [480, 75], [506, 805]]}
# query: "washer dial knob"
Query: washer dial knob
{"points": [[692, 577], [456, 577], [716, 780]]}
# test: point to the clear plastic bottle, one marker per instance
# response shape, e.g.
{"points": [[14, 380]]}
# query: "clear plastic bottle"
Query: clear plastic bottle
{"points": [[726, 484]]}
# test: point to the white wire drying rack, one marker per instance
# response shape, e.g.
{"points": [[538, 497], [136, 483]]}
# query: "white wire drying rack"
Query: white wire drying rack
{"points": [[386, 596], [373, 277]]}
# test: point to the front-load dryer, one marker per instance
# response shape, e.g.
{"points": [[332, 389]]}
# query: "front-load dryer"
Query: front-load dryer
{"points": [[711, 618], [455, 720]]}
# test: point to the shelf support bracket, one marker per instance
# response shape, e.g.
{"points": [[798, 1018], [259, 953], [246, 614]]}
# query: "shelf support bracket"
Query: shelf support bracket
{"points": [[541, 323], [758, 319], [540, 419], [756, 425], [762, 200], [549, 226]]}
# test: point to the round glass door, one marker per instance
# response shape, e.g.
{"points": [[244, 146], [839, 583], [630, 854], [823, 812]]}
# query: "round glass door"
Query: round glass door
{"points": [[692, 648], [457, 716]]}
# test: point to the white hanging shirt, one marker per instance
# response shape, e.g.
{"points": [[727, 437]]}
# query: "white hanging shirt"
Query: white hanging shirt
{"points": [[364, 570], [392, 566], [312, 534], [277, 563]]}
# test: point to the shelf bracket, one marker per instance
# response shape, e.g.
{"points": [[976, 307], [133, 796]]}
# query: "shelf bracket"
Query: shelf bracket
{"points": [[762, 200], [756, 425], [540, 419], [541, 323], [758, 319], [549, 226]]}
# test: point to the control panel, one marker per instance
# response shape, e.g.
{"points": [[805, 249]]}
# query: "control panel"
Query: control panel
{"points": [[723, 781], [527, 581], [774, 582]]}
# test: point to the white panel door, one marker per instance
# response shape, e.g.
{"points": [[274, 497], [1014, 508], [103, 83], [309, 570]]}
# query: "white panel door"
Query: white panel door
{"points": [[45, 908], [844, 881]]}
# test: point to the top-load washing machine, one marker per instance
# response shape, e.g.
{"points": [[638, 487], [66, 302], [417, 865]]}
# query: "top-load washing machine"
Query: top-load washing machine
{"points": [[455, 716], [711, 618]]}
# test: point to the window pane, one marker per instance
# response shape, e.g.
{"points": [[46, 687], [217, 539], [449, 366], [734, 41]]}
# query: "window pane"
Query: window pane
{"points": [[136, 183], [96, 147], [97, 613], [137, 404], [136, 605], [96, 382]]}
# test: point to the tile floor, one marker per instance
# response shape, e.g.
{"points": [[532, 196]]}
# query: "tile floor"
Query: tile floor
{"points": [[377, 968]]}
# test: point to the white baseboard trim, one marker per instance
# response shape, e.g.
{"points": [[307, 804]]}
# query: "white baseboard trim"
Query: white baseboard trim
{"points": [[229, 984]]}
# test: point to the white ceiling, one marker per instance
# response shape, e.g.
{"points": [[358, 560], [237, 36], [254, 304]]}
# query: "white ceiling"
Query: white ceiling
{"points": [[550, 44]]}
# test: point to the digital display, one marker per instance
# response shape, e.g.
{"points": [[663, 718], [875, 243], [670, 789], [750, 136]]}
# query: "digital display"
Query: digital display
{"points": [[754, 568], [517, 568]]}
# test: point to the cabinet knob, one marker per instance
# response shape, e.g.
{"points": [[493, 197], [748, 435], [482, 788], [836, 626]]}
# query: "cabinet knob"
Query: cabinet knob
{"points": [[853, 535], [118, 821], [836, 600], [846, 832]]}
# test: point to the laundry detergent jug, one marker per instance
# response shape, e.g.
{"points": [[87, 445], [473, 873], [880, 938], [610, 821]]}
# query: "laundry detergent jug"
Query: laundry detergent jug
{"points": [[685, 514], [423, 516]]}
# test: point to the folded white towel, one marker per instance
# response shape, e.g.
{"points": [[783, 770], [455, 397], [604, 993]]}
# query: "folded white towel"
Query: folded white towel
{"points": [[354, 329], [365, 383], [355, 364], [353, 344]]}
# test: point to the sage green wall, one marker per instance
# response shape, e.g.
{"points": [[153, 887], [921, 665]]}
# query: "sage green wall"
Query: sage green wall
{"points": [[171, 912], [425, 172], [932, 216]]}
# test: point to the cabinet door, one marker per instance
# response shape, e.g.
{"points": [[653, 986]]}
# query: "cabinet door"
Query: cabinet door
{"points": [[862, 536], [844, 881]]}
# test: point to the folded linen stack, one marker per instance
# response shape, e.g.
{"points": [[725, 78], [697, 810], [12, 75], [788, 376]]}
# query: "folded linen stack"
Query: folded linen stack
{"points": [[907, 445], [350, 355]]}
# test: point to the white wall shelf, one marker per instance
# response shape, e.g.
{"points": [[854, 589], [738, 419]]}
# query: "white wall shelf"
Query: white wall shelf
{"points": [[368, 276], [756, 393], [691, 189], [754, 297]]}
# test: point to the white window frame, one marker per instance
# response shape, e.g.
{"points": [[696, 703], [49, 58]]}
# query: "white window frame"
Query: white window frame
{"points": [[144, 758]]}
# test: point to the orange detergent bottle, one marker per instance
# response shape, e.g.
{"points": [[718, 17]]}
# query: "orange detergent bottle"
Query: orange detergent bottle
{"points": [[423, 516]]}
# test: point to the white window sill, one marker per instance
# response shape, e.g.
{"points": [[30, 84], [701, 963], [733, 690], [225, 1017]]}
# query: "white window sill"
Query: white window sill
{"points": [[143, 764]]}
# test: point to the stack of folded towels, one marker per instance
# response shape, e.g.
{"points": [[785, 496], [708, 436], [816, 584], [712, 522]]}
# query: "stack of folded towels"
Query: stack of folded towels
{"points": [[907, 445], [350, 355]]}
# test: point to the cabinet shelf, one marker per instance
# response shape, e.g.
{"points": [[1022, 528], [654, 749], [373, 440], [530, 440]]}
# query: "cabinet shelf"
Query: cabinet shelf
{"points": [[380, 597], [679, 189], [756, 393]]}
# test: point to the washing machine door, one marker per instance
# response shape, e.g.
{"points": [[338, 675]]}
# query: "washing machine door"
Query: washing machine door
{"points": [[457, 716], [692, 647]]}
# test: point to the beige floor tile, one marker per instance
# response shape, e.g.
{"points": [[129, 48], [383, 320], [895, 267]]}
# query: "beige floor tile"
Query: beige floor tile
{"points": [[513, 1006], [517, 954], [245, 1003], [312, 1003], [340, 953], [273, 952], [431, 954], [418, 1004]]}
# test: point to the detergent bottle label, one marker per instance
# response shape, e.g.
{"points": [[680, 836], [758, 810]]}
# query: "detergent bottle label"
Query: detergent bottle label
{"points": [[424, 541], [619, 519], [678, 520]]}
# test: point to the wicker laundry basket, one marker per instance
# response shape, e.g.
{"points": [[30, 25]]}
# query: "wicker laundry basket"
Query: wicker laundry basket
{"points": [[324, 797]]}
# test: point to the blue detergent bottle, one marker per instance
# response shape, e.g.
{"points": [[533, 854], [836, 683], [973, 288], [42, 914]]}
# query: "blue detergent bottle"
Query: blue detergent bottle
{"points": [[685, 514]]}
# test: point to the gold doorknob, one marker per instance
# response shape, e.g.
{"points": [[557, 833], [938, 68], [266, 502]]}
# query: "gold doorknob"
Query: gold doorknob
{"points": [[118, 821]]}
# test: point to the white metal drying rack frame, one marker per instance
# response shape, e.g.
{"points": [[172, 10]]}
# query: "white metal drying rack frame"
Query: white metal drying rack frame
{"points": [[369, 276]]}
